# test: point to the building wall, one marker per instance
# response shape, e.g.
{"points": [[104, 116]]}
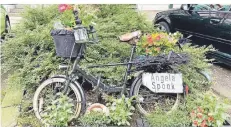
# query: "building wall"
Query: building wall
{"points": [[150, 10], [156, 7]]}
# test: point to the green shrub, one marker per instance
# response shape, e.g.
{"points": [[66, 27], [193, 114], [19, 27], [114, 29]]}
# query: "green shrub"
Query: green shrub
{"points": [[208, 110], [94, 119], [198, 62], [34, 56], [60, 112], [121, 110], [177, 118], [120, 113]]}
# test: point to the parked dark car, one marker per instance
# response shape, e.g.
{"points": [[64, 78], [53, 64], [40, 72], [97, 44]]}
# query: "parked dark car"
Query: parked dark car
{"points": [[209, 25]]}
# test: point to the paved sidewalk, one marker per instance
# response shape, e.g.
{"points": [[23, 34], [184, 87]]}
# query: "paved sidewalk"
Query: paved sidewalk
{"points": [[10, 107], [222, 80], [10, 103]]}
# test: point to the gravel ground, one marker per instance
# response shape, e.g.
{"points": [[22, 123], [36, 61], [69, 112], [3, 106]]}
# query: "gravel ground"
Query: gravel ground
{"points": [[222, 80]]}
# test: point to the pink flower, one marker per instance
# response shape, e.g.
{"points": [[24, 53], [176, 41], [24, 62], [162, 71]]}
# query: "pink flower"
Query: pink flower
{"points": [[63, 7], [158, 38], [150, 40], [195, 123], [203, 124], [199, 115]]}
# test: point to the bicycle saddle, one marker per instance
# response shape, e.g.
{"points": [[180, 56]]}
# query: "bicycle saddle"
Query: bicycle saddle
{"points": [[128, 37]]}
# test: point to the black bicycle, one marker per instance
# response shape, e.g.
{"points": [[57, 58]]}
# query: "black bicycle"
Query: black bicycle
{"points": [[157, 83]]}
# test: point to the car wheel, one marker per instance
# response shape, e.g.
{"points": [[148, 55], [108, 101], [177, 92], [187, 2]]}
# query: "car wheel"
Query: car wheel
{"points": [[163, 26], [8, 27]]}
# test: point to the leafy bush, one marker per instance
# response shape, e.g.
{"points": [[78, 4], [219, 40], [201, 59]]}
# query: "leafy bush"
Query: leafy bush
{"points": [[60, 112], [115, 20], [198, 62], [177, 118], [34, 56], [94, 119], [209, 111], [120, 112]]}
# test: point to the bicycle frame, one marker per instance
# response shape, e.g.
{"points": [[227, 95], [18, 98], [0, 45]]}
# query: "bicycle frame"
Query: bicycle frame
{"points": [[77, 71]]}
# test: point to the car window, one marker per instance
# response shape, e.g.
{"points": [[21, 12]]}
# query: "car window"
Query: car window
{"points": [[225, 8], [200, 7], [201, 10]]}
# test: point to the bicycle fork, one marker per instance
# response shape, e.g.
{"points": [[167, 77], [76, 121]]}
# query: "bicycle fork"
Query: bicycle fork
{"points": [[69, 76]]}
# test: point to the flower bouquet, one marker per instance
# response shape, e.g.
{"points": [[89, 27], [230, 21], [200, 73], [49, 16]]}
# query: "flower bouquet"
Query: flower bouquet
{"points": [[155, 43]]}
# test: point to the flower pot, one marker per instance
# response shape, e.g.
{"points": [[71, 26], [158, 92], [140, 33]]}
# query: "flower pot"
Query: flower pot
{"points": [[65, 43], [98, 107]]}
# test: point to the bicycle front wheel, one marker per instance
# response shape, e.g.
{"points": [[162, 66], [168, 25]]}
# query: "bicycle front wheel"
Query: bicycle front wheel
{"points": [[147, 101], [46, 93]]}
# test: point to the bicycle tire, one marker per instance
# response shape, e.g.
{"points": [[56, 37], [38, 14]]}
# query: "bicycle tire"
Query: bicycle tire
{"points": [[135, 90], [55, 80]]}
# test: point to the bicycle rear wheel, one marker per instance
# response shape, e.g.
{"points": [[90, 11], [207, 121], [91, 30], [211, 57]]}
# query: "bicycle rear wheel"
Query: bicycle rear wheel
{"points": [[46, 93], [147, 101]]}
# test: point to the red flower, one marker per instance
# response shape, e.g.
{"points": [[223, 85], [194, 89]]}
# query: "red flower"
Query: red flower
{"points": [[69, 7], [195, 123], [63, 7], [203, 124], [150, 40], [210, 119], [199, 115], [158, 38]]}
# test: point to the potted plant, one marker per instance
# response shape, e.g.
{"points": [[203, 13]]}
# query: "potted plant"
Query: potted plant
{"points": [[63, 33]]}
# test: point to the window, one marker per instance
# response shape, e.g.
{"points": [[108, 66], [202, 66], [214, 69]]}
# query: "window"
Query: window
{"points": [[200, 7]]}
